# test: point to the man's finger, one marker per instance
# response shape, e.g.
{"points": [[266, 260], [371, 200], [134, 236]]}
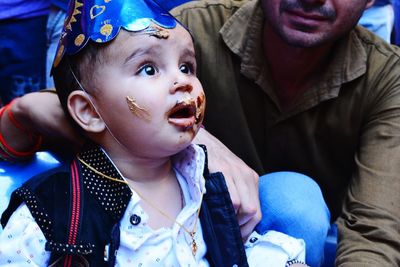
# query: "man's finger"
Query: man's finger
{"points": [[248, 227], [233, 192]]}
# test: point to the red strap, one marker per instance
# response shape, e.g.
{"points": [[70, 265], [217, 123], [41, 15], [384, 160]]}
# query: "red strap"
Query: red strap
{"points": [[75, 212]]}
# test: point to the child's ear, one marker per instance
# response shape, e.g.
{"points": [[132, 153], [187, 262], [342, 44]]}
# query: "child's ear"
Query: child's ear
{"points": [[84, 114]]}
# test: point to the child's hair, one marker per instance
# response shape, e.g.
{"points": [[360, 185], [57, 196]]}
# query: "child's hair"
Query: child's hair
{"points": [[83, 66]]}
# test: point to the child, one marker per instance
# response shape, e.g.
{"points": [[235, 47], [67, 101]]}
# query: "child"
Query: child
{"points": [[138, 189]]}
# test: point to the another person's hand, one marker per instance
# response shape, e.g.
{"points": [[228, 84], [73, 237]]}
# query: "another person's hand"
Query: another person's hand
{"points": [[241, 180], [42, 112]]}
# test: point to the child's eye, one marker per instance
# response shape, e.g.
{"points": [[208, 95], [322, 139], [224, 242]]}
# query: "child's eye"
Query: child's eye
{"points": [[147, 70], [186, 68]]}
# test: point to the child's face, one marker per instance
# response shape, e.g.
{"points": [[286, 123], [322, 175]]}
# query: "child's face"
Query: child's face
{"points": [[148, 93]]}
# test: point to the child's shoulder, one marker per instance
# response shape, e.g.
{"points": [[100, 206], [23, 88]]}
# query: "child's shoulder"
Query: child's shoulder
{"points": [[38, 193], [49, 176], [44, 183]]}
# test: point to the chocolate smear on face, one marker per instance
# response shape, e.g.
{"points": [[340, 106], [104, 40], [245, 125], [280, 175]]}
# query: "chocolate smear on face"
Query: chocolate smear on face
{"points": [[200, 108], [136, 109]]}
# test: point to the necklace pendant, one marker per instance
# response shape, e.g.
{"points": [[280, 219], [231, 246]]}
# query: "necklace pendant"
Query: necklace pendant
{"points": [[194, 247], [194, 244]]}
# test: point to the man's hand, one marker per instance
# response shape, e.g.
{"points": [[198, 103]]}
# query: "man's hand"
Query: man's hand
{"points": [[42, 113], [241, 180]]}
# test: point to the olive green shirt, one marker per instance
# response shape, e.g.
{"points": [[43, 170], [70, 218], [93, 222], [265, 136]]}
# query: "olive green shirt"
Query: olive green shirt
{"points": [[344, 131]]}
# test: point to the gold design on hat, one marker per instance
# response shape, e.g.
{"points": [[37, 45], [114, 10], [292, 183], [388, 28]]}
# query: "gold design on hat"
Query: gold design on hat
{"points": [[96, 10], [63, 34], [106, 29], [157, 31], [76, 12], [60, 53], [79, 39]]}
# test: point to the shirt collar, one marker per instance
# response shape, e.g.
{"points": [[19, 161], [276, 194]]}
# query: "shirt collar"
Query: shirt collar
{"points": [[113, 195], [243, 36], [189, 163]]}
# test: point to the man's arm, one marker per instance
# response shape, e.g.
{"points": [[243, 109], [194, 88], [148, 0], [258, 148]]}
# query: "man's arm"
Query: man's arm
{"points": [[369, 228], [241, 180], [38, 112]]}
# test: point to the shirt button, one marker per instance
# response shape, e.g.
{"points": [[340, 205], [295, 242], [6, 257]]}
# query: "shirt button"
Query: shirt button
{"points": [[135, 219], [253, 239]]}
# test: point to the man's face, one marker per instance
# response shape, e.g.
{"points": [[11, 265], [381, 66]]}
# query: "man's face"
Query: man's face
{"points": [[309, 23]]}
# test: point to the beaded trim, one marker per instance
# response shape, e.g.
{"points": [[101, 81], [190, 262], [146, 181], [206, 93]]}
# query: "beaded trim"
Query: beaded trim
{"points": [[38, 212], [113, 197], [291, 262], [81, 249]]}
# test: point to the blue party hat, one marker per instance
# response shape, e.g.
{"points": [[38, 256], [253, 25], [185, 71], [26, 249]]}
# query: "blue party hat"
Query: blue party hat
{"points": [[101, 21]]}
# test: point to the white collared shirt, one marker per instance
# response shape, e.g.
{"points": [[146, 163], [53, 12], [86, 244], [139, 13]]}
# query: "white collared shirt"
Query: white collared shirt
{"points": [[22, 242], [166, 246]]}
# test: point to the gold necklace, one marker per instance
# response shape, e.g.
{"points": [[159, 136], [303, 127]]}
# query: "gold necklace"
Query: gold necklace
{"points": [[192, 233]]}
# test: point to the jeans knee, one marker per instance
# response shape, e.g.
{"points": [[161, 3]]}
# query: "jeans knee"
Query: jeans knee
{"points": [[291, 199], [293, 204]]}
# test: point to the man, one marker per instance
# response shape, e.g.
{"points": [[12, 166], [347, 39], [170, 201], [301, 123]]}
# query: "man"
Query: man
{"points": [[294, 85]]}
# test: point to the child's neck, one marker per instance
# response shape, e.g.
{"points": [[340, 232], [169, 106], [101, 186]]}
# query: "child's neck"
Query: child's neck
{"points": [[162, 199], [144, 170], [156, 183]]}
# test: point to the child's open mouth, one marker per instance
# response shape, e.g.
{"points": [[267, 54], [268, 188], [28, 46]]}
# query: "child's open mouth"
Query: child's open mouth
{"points": [[183, 114]]}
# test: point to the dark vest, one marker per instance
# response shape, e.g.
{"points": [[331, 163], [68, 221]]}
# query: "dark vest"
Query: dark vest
{"points": [[78, 223]]}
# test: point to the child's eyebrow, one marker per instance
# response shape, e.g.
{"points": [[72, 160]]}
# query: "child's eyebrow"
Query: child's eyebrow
{"points": [[189, 52], [141, 51]]}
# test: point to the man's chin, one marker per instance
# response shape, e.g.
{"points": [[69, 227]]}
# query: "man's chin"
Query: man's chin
{"points": [[304, 39]]}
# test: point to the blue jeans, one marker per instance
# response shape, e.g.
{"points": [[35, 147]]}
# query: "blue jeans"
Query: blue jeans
{"points": [[23, 57], [293, 204], [379, 20]]}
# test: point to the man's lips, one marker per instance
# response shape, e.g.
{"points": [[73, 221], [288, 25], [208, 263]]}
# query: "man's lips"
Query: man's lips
{"points": [[183, 114], [310, 19], [307, 16]]}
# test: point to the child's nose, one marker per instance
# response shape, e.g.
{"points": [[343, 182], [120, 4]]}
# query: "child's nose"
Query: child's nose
{"points": [[182, 86]]}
